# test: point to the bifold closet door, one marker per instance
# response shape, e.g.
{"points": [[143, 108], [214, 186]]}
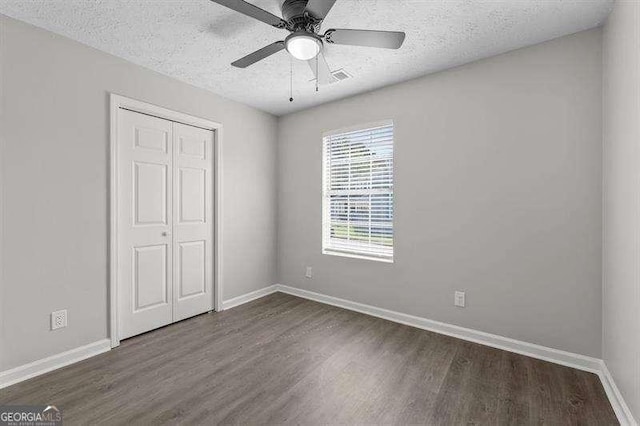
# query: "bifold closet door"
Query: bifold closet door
{"points": [[165, 222], [145, 217], [193, 221]]}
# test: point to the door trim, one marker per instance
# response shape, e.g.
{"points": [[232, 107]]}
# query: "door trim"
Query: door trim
{"points": [[121, 102]]}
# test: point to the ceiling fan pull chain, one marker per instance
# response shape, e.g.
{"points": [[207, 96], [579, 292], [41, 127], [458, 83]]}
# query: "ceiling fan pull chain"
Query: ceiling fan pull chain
{"points": [[290, 79], [317, 76]]}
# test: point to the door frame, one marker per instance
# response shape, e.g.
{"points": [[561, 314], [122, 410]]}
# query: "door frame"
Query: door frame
{"points": [[122, 102]]}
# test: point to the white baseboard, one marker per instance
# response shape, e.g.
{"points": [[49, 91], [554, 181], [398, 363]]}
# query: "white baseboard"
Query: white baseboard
{"points": [[622, 410], [245, 298], [557, 356], [580, 362], [569, 359], [41, 366], [36, 368]]}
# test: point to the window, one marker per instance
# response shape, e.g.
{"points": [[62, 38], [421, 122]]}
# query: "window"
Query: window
{"points": [[357, 199]]}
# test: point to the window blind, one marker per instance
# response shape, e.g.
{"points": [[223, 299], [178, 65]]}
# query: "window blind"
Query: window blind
{"points": [[358, 193]]}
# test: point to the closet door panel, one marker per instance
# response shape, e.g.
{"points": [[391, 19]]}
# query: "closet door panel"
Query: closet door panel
{"points": [[193, 220], [145, 217]]}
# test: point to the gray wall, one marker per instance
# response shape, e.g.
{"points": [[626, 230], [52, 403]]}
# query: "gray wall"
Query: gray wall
{"points": [[498, 185], [54, 144], [621, 287]]}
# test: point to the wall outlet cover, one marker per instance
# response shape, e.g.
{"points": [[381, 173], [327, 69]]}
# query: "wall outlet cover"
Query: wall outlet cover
{"points": [[58, 319], [458, 299], [309, 272]]}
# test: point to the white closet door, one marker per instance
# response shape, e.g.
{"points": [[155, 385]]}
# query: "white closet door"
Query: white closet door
{"points": [[193, 221], [145, 149]]}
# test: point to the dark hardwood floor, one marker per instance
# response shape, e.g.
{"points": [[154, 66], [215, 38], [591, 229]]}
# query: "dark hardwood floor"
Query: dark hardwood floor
{"points": [[282, 359]]}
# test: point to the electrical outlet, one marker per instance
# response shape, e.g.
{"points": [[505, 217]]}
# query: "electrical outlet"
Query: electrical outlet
{"points": [[458, 299], [309, 272], [58, 319]]}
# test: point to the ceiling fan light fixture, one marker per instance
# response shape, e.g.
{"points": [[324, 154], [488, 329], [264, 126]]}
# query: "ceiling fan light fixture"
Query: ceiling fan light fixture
{"points": [[303, 45]]}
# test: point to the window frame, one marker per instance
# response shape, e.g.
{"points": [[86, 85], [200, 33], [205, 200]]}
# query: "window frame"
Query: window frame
{"points": [[326, 204]]}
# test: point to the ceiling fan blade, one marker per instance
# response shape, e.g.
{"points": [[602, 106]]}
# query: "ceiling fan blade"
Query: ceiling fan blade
{"points": [[253, 11], [319, 8], [259, 55], [321, 70], [384, 39]]}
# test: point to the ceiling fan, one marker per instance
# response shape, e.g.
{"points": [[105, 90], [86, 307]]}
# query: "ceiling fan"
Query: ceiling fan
{"points": [[302, 18]]}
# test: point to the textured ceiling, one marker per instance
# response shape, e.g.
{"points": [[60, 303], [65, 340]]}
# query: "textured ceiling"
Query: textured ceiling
{"points": [[196, 40]]}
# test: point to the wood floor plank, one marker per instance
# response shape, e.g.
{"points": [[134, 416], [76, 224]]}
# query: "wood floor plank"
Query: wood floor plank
{"points": [[513, 401], [286, 360]]}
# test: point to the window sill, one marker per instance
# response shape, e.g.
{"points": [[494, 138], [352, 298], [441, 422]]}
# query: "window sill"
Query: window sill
{"points": [[357, 256]]}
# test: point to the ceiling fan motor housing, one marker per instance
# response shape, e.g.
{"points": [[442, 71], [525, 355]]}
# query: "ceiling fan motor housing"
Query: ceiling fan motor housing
{"points": [[293, 11]]}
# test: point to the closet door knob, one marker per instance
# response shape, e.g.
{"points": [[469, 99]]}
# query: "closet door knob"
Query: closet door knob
{"points": [[165, 234]]}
